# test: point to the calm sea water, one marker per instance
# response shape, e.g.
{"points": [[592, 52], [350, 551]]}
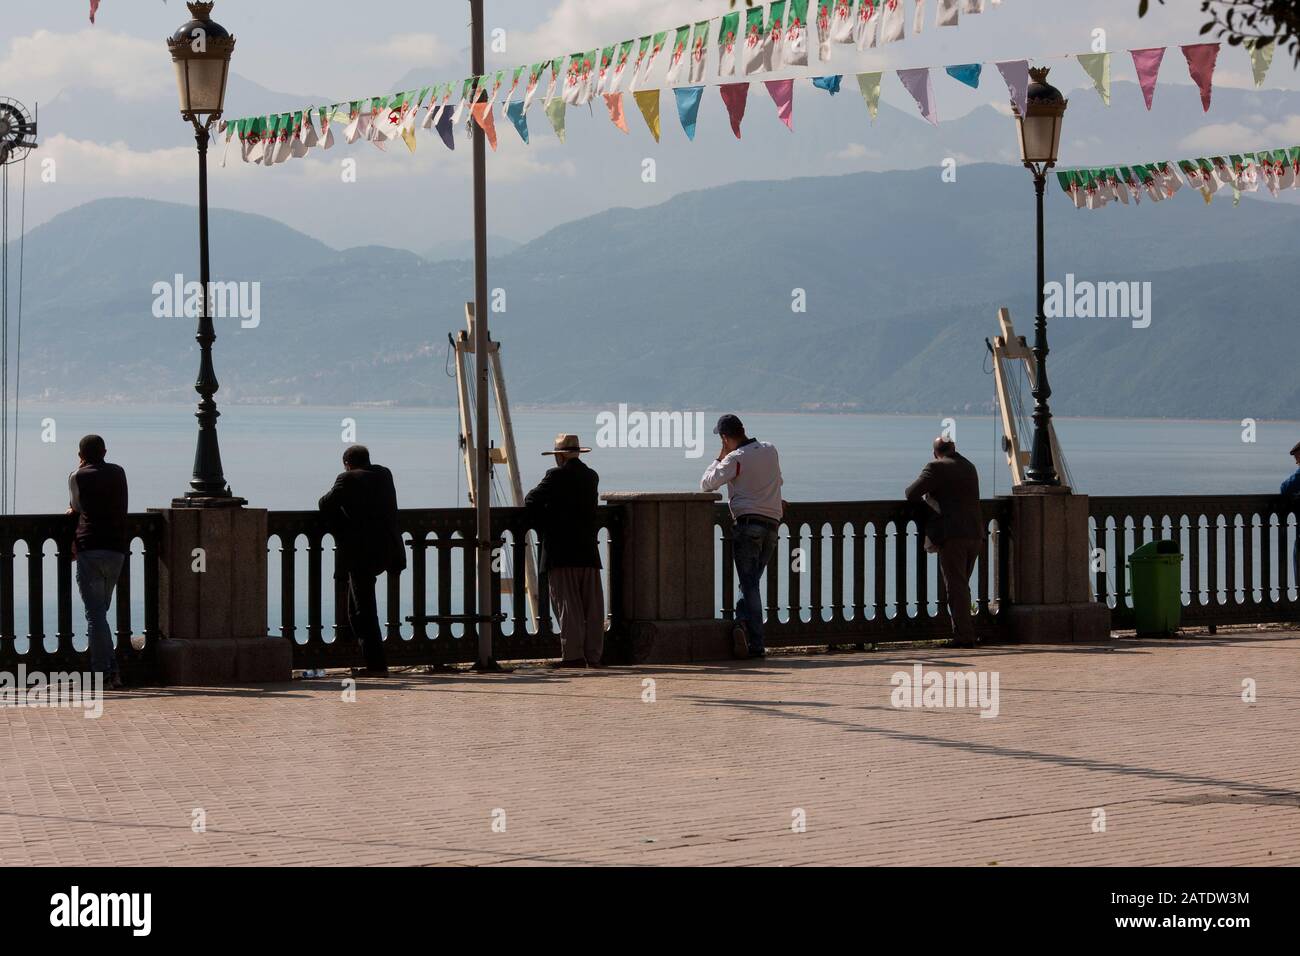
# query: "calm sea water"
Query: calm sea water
{"points": [[285, 458]]}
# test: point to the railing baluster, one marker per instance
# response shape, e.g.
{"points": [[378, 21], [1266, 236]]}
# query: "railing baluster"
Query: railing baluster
{"points": [[393, 604], [315, 635], [151, 586], [122, 599], [36, 593], [63, 564], [288, 586], [1193, 560], [442, 548], [858, 570], [880, 596], [838, 612], [1247, 558], [728, 593]]}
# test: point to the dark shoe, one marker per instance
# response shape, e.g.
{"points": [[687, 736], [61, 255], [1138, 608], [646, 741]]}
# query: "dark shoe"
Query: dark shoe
{"points": [[965, 645], [568, 665], [114, 682], [370, 672], [739, 641], [595, 666], [757, 653]]}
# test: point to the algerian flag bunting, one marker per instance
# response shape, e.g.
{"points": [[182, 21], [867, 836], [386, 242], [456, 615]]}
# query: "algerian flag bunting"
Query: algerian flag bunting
{"points": [[795, 48], [727, 30]]}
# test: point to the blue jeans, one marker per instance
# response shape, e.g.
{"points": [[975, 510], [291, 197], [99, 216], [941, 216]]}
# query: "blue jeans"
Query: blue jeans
{"points": [[751, 548], [97, 574]]}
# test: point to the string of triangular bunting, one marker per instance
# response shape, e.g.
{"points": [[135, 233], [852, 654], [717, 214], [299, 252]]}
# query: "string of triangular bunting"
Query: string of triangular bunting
{"points": [[1274, 169], [270, 140], [776, 36]]}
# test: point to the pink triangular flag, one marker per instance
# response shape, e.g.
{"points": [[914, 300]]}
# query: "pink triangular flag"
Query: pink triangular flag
{"points": [[918, 84], [782, 93], [735, 95], [1201, 58], [1015, 73], [1148, 67], [615, 103]]}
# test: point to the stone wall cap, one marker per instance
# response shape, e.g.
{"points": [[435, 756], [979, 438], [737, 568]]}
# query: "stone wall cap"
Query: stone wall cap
{"points": [[1022, 491], [625, 497]]}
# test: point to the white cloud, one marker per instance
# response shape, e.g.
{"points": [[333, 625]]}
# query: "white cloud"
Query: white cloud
{"points": [[82, 163], [1246, 135], [413, 50], [855, 151], [581, 24], [40, 65]]}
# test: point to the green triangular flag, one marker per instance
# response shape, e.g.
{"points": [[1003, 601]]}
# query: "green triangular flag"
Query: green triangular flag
{"points": [[555, 113], [1261, 58], [1097, 66], [869, 84]]}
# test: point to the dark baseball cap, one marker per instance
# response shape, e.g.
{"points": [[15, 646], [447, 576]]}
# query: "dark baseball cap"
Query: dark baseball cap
{"points": [[1296, 449], [730, 426]]}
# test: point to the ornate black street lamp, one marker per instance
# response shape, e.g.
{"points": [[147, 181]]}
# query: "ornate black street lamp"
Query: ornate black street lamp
{"points": [[201, 52], [1040, 144]]}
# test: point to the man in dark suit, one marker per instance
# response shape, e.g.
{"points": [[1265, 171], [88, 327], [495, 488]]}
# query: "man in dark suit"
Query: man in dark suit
{"points": [[361, 512], [952, 484], [562, 509]]}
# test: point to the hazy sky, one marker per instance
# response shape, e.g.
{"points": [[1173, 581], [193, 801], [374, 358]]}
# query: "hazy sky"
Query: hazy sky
{"points": [[119, 133]]}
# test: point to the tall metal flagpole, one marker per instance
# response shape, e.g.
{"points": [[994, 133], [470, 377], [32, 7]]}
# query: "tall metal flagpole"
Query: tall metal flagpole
{"points": [[483, 496]]}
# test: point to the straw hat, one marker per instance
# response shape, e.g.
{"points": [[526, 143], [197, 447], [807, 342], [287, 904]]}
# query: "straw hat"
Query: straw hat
{"points": [[567, 444]]}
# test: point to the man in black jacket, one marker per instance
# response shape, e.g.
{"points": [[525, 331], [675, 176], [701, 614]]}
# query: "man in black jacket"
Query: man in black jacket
{"points": [[953, 485], [361, 512], [563, 511], [97, 496]]}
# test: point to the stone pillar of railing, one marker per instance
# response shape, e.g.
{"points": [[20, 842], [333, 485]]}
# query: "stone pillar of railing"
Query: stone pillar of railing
{"points": [[212, 610], [666, 602], [1051, 594]]}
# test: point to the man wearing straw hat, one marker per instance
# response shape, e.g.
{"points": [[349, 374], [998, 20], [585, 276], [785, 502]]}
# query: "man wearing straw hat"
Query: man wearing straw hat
{"points": [[562, 509]]}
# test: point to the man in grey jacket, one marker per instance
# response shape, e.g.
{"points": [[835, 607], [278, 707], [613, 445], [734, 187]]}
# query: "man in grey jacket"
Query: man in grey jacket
{"points": [[953, 485]]}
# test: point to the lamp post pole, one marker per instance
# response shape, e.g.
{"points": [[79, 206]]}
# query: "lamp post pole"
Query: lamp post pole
{"points": [[482, 464], [209, 480], [1038, 120], [201, 51], [1042, 467]]}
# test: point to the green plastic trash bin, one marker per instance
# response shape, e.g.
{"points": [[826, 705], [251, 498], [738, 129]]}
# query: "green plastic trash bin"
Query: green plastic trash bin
{"points": [[1156, 583]]}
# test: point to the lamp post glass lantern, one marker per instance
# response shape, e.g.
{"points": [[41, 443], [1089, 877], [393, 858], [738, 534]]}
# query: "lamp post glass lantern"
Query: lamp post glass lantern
{"points": [[1039, 128], [201, 50]]}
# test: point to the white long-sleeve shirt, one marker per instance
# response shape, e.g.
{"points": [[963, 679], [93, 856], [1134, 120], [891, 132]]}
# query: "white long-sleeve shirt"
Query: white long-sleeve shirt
{"points": [[752, 474]]}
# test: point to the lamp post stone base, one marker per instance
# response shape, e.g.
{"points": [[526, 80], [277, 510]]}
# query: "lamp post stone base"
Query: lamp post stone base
{"points": [[212, 597], [1052, 600]]}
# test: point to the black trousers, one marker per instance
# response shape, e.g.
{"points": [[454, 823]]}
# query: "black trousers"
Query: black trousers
{"points": [[363, 618]]}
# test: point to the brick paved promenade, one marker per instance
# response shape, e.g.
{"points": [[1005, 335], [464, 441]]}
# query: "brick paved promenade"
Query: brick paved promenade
{"points": [[1154, 733]]}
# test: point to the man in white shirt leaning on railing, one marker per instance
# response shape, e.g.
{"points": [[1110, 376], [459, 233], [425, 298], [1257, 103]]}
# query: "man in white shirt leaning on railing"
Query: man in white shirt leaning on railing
{"points": [[751, 470]]}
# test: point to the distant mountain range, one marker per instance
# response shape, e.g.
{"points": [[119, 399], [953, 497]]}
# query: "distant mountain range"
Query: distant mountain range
{"points": [[413, 202], [688, 304]]}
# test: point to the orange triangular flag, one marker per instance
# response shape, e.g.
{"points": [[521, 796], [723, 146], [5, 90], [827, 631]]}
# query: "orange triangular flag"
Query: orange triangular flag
{"points": [[484, 117], [615, 103]]}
